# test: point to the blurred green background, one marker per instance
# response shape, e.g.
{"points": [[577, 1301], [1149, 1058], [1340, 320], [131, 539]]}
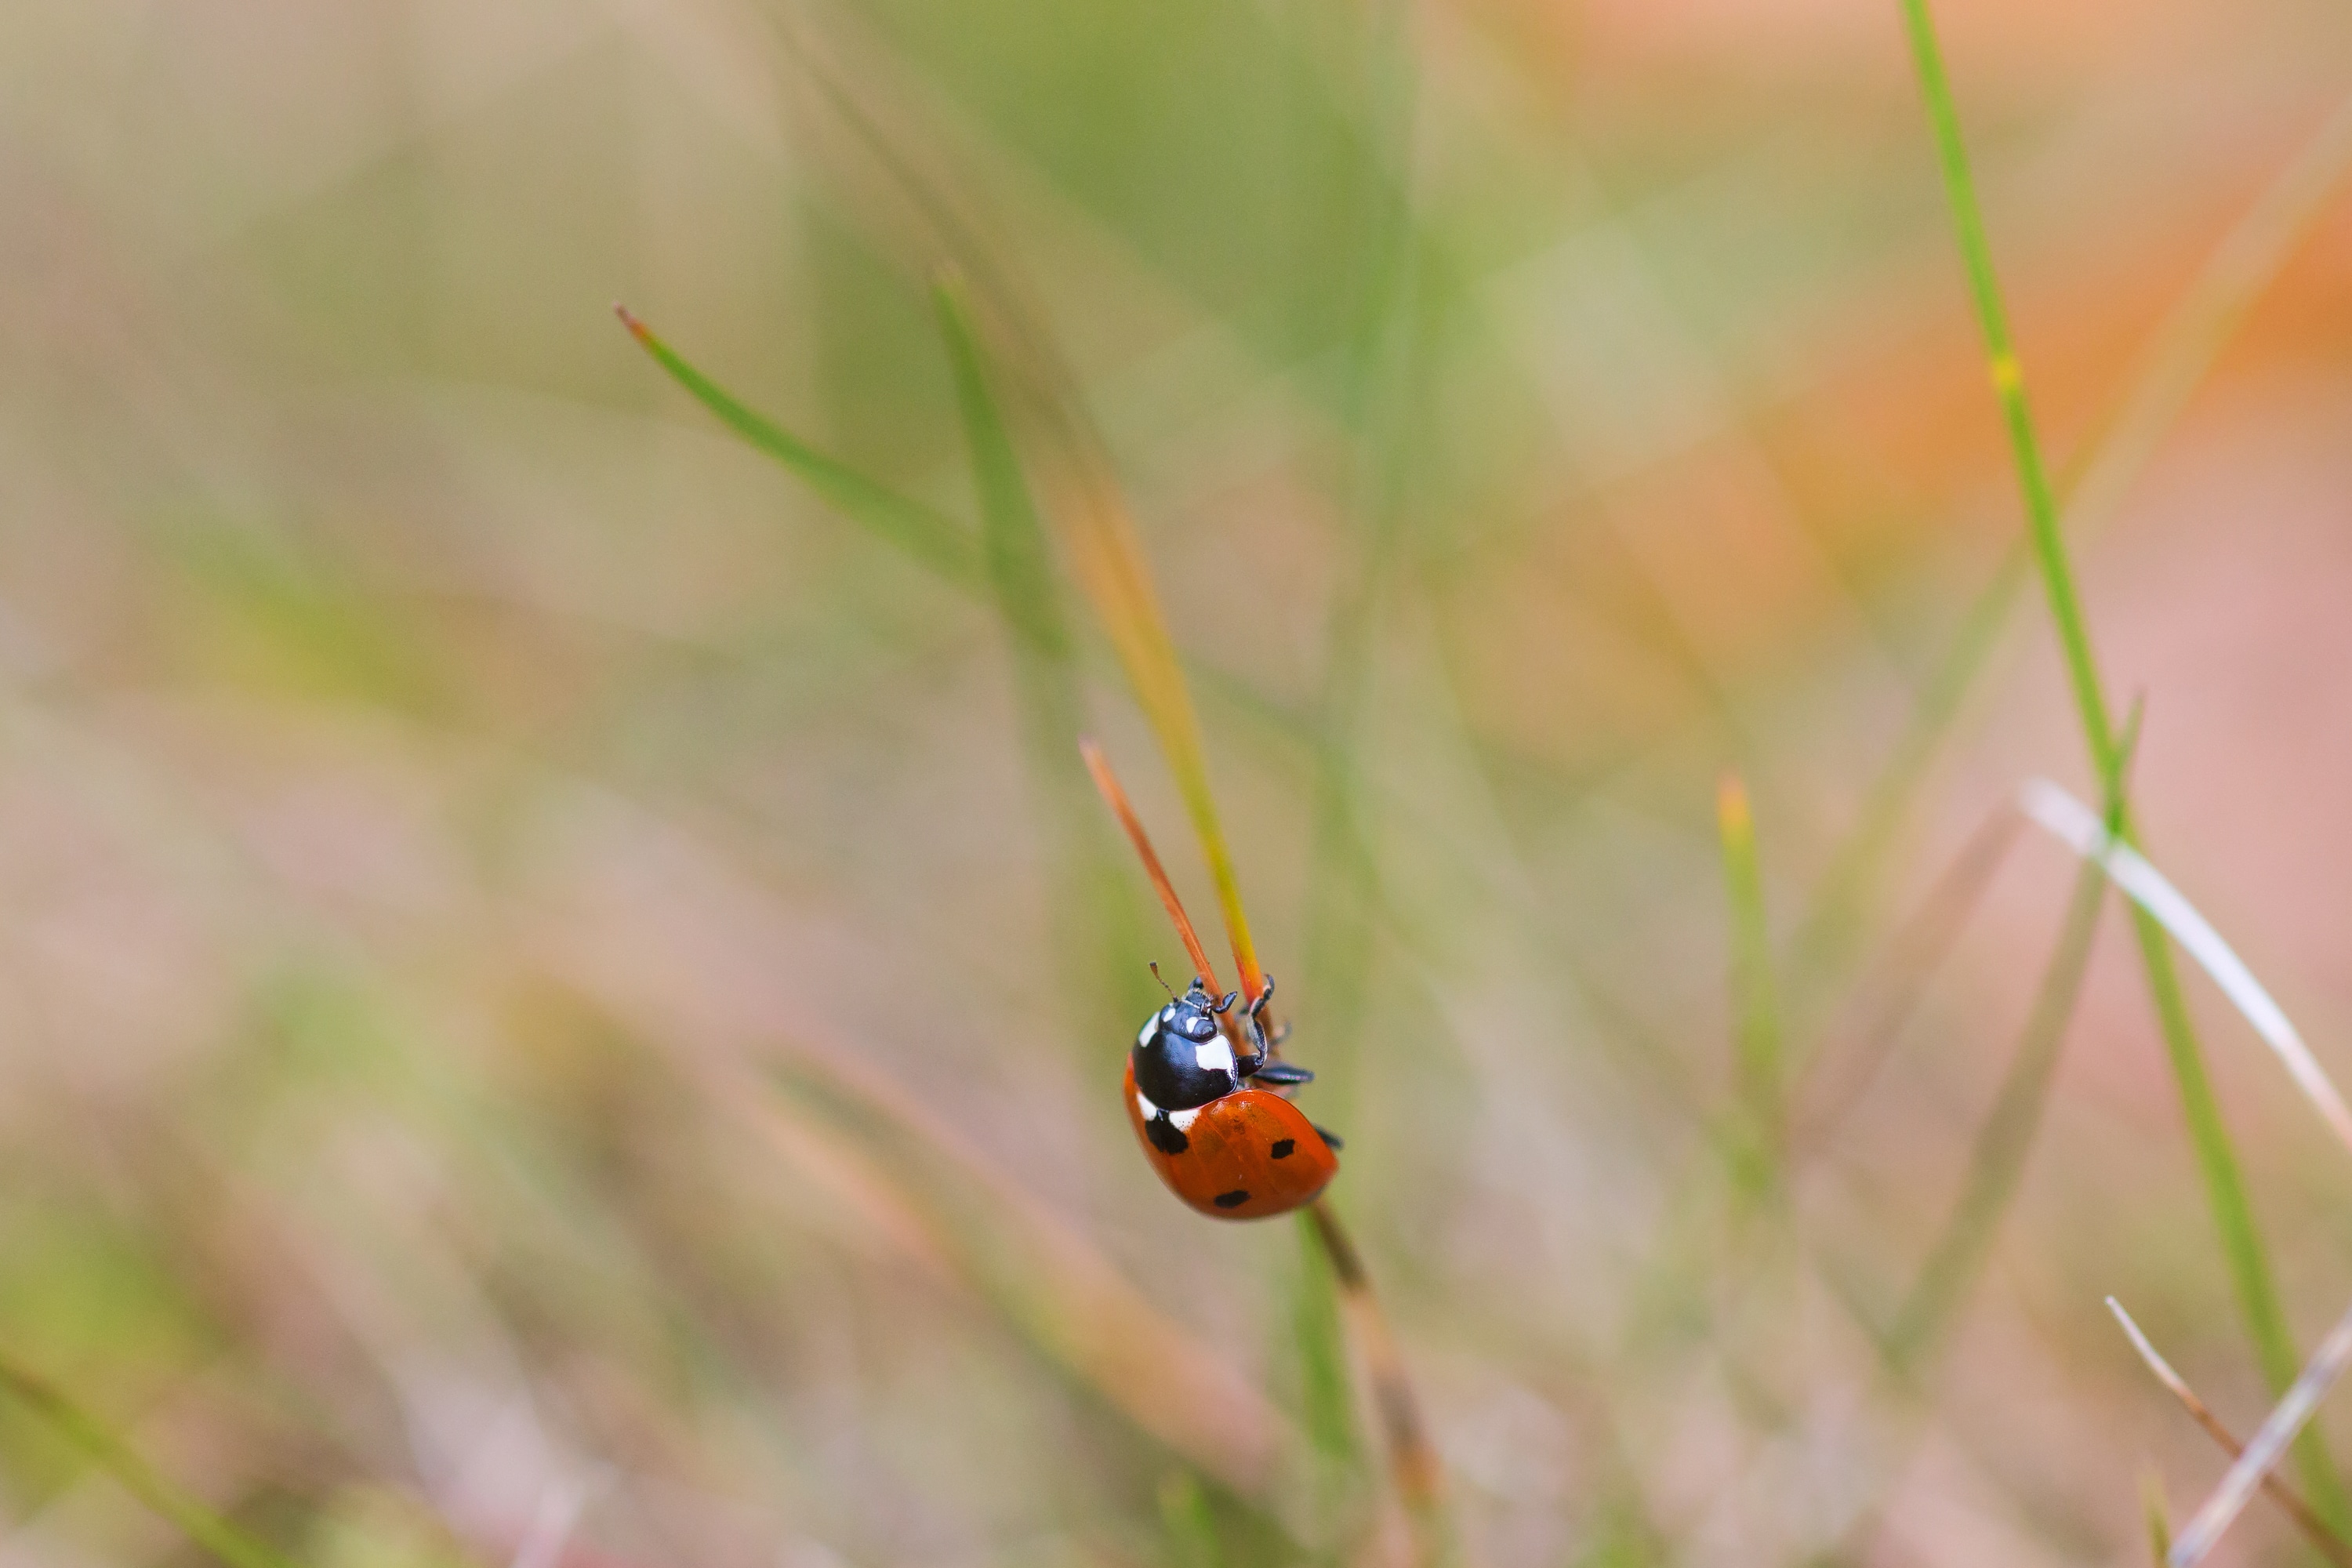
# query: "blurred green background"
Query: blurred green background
{"points": [[558, 1006]]}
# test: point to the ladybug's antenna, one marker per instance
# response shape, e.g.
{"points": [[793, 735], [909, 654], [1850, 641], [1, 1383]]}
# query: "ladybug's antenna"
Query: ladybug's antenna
{"points": [[1163, 983]]}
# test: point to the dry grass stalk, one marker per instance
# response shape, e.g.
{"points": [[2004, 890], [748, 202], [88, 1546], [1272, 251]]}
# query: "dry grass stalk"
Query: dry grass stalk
{"points": [[2330, 1545]]}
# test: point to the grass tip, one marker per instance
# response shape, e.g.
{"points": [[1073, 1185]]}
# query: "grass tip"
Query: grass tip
{"points": [[1732, 812], [2150, 1358], [1115, 796], [2154, 1514]]}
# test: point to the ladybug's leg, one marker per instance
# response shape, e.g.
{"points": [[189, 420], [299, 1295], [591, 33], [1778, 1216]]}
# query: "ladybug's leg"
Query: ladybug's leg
{"points": [[1281, 1073], [1256, 1065], [1330, 1137], [1257, 1008]]}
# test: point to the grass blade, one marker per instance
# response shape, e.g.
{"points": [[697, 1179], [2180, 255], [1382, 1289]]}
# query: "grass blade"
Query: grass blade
{"points": [[1415, 1466], [1326, 1401], [99, 1443], [2303, 1397], [1836, 915], [2006, 1138], [2009, 388], [1115, 795], [2073, 824], [1093, 922], [1191, 1524], [2241, 265], [1381, 397], [2234, 1217], [1013, 539], [1107, 559], [897, 1179], [1762, 1135], [932, 537], [1378, 389], [951, 1207], [1092, 518], [929, 536], [2159, 1529], [1914, 956], [2330, 1545], [1111, 570]]}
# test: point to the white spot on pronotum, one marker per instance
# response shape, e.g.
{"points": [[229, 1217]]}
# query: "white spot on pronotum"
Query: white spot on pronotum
{"points": [[1182, 1119], [1145, 1106], [1214, 1056]]}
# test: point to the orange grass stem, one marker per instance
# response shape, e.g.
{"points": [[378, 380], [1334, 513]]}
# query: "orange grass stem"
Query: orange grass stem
{"points": [[1115, 796], [1110, 564]]}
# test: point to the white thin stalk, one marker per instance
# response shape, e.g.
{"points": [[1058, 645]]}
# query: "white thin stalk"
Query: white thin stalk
{"points": [[2080, 829], [2171, 1380]]}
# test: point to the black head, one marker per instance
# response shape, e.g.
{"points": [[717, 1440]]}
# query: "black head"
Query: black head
{"points": [[1182, 1060]]}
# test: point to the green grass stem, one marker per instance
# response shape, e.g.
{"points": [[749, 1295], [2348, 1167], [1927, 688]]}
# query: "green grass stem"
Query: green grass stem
{"points": [[1836, 916], [1998, 1160], [1189, 1522], [932, 537], [1111, 566], [2007, 1137], [2217, 1159], [1327, 1398], [2181, 352], [2009, 388], [913, 1182], [102, 1447], [1378, 395], [1379, 402], [1915, 954], [1093, 925], [1760, 1143], [2152, 1513], [1018, 562]]}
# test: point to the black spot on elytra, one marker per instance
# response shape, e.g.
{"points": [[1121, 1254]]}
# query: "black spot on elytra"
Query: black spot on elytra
{"points": [[1230, 1200], [1282, 1148], [1166, 1136]]}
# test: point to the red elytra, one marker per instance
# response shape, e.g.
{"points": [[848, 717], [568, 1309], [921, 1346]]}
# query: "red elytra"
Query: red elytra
{"points": [[1249, 1155]]}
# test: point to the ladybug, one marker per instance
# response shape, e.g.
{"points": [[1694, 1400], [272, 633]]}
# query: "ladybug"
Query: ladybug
{"points": [[1227, 1147]]}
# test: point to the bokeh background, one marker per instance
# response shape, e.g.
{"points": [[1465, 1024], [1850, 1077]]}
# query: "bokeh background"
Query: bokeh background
{"points": [[555, 1010]]}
